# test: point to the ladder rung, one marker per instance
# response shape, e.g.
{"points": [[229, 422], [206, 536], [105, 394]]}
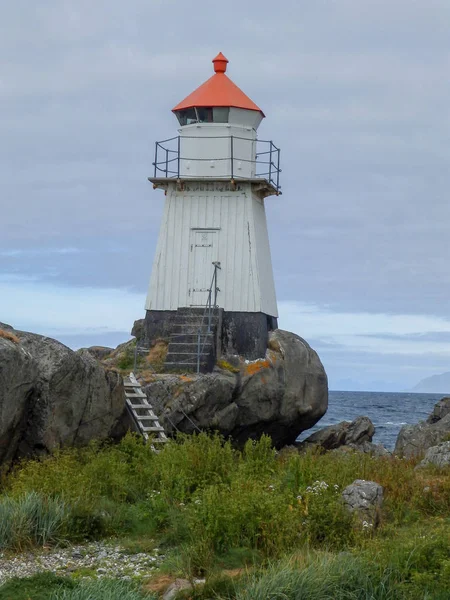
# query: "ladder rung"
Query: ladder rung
{"points": [[159, 428], [147, 418]]}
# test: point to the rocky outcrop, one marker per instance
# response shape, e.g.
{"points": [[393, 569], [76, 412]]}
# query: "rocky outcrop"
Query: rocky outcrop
{"points": [[364, 499], [51, 396], [436, 456], [281, 395], [344, 433], [354, 435], [414, 440], [441, 409], [99, 352]]}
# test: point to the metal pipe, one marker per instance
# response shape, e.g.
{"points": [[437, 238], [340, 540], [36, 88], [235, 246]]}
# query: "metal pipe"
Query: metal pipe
{"points": [[198, 350], [178, 157]]}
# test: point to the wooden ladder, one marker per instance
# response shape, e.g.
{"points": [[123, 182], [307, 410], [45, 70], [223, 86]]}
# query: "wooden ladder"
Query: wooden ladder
{"points": [[142, 413]]}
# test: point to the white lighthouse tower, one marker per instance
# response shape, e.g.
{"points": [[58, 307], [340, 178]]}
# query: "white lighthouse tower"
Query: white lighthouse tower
{"points": [[212, 259]]}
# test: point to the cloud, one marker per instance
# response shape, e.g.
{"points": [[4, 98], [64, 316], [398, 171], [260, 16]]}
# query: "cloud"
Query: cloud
{"points": [[38, 252], [55, 310], [355, 93], [376, 333]]}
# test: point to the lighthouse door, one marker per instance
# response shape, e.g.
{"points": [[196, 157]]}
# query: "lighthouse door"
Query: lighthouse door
{"points": [[203, 252]]}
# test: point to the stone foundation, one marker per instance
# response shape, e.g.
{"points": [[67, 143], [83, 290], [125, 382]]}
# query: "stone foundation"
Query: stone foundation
{"points": [[242, 333]]}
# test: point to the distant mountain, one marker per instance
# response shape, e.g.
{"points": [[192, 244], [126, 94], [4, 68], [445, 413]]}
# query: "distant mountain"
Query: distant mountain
{"points": [[436, 384]]}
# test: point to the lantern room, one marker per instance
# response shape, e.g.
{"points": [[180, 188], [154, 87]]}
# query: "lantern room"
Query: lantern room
{"points": [[217, 135]]}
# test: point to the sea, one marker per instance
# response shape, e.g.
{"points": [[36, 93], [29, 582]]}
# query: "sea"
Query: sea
{"points": [[388, 411]]}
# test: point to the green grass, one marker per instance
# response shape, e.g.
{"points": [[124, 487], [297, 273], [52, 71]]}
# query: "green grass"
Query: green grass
{"points": [[46, 586], [38, 587], [212, 507], [104, 589], [31, 519]]}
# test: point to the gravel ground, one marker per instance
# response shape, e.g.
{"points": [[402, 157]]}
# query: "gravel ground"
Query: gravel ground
{"points": [[91, 560]]}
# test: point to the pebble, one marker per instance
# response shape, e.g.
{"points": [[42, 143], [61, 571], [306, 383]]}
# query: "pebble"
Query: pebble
{"points": [[102, 559]]}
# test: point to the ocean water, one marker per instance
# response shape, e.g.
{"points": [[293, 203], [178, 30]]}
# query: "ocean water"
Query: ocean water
{"points": [[388, 411]]}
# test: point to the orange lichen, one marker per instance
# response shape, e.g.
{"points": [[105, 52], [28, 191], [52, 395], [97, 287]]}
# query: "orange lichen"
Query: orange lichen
{"points": [[7, 335], [255, 367], [186, 379]]}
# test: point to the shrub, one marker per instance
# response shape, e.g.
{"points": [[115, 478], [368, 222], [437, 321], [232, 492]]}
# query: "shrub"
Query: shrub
{"points": [[245, 513]]}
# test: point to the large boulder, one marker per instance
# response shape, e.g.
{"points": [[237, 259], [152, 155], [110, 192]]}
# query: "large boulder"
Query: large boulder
{"points": [[414, 440], [51, 396], [281, 395]]}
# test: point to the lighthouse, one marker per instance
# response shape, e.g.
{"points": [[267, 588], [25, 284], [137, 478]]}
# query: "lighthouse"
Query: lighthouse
{"points": [[211, 289]]}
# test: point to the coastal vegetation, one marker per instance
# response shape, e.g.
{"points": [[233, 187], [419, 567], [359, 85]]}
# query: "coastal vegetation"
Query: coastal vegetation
{"points": [[253, 524]]}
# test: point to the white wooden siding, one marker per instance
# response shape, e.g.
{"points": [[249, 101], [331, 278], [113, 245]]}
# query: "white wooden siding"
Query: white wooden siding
{"points": [[239, 224]]}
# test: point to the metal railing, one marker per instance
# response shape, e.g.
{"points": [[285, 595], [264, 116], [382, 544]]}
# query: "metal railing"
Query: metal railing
{"points": [[208, 313], [168, 159]]}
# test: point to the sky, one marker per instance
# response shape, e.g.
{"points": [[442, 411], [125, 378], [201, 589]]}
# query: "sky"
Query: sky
{"points": [[355, 92]]}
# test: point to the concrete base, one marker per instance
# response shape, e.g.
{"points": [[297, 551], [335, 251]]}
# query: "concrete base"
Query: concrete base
{"points": [[246, 334], [242, 333], [157, 324]]}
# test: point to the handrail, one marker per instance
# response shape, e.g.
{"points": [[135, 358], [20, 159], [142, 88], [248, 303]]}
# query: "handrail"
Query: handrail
{"points": [[209, 308], [166, 156]]}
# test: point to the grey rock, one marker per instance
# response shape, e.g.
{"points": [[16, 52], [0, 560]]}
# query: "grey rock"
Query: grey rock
{"points": [[174, 588], [437, 456], [358, 432], [377, 450], [19, 373], [51, 396], [364, 499], [98, 352], [414, 440], [440, 410], [281, 395]]}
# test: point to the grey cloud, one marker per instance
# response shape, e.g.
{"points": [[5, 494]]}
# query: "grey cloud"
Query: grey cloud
{"points": [[355, 93]]}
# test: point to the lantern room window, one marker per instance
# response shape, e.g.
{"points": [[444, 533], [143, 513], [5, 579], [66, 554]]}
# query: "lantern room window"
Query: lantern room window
{"points": [[202, 114]]}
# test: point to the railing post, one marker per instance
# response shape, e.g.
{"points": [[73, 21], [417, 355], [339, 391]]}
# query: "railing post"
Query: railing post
{"points": [[270, 162], [198, 350], [215, 285], [156, 157], [278, 171], [178, 157], [167, 163], [232, 158]]}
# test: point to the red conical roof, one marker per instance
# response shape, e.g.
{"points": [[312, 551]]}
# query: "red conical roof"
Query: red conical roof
{"points": [[218, 90]]}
